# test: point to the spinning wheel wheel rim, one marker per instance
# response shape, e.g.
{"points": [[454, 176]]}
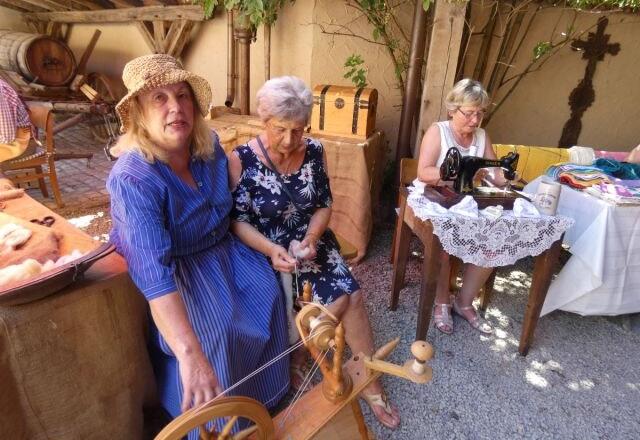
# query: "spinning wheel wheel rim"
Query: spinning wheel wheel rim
{"points": [[225, 407]]}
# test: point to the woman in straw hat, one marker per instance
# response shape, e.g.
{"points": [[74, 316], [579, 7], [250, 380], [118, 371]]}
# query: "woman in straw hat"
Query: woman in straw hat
{"points": [[283, 202], [215, 303]]}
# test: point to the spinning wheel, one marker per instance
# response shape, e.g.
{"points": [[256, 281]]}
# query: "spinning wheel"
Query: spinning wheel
{"points": [[451, 165], [229, 411], [332, 402], [107, 128]]}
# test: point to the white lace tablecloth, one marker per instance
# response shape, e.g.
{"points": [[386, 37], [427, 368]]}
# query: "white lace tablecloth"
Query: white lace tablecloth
{"points": [[490, 242]]}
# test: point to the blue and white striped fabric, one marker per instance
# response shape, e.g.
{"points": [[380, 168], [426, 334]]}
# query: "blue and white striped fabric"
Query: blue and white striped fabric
{"points": [[175, 237]]}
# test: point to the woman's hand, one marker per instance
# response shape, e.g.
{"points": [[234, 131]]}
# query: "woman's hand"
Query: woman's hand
{"points": [[199, 381], [309, 242], [281, 260]]}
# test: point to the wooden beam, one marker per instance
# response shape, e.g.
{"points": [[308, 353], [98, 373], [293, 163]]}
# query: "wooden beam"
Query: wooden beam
{"points": [[11, 5], [146, 13], [158, 36], [22, 5], [146, 35], [444, 48], [176, 46], [49, 5], [84, 5]]}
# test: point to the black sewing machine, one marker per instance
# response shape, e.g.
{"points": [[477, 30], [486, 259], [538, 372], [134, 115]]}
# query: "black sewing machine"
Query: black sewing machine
{"points": [[461, 170]]}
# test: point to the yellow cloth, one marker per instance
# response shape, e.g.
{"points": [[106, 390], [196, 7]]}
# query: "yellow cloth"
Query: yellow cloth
{"points": [[17, 147]]}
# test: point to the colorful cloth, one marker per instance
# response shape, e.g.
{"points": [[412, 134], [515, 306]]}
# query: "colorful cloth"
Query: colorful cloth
{"points": [[13, 113], [175, 238], [261, 202], [621, 170], [577, 176]]}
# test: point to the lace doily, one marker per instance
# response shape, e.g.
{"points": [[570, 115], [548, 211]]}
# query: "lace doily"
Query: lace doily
{"points": [[486, 242]]}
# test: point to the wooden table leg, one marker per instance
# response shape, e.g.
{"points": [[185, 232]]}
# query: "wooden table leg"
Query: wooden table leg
{"points": [[544, 264], [401, 252], [430, 273]]}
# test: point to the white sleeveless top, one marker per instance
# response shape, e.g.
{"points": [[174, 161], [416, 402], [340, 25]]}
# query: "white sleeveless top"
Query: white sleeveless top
{"points": [[447, 140]]}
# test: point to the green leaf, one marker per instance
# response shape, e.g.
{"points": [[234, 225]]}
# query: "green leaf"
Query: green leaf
{"points": [[541, 49], [426, 4]]}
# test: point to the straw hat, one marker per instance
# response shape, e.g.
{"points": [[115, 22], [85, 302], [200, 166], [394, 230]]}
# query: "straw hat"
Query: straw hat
{"points": [[150, 71]]}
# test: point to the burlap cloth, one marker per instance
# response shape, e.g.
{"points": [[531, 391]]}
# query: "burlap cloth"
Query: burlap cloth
{"points": [[355, 168], [74, 365]]}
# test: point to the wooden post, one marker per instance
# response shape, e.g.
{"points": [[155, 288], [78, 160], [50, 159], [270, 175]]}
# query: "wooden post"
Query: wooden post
{"points": [[446, 36]]}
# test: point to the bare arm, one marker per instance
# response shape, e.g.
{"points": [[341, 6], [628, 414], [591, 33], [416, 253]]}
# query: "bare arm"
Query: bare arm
{"points": [[430, 147], [497, 177], [199, 381], [235, 169]]}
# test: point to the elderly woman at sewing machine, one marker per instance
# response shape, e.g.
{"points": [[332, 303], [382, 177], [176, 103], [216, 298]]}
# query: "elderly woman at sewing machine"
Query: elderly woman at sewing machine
{"points": [[466, 105], [282, 209], [217, 310]]}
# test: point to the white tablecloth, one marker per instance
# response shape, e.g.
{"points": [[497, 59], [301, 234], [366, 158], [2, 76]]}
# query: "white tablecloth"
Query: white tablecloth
{"points": [[485, 241], [602, 277]]}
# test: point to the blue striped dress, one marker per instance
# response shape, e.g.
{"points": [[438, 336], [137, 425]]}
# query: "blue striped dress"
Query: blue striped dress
{"points": [[175, 238]]}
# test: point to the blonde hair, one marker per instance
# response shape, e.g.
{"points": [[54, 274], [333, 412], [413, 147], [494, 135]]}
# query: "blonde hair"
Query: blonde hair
{"points": [[137, 137], [467, 92]]}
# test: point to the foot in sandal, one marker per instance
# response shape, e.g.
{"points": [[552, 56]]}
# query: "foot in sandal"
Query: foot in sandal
{"points": [[382, 409], [442, 318], [470, 314]]}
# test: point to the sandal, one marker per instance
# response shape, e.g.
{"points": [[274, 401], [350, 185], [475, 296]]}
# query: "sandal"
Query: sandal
{"points": [[443, 320], [476, 322], [389, 416]]}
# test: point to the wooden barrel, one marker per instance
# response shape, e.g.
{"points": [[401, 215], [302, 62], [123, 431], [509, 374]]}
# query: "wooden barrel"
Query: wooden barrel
{"points": [[38, 58]]}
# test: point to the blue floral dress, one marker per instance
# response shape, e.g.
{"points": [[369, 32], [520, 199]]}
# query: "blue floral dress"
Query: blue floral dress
{"points": [[261, 202]]}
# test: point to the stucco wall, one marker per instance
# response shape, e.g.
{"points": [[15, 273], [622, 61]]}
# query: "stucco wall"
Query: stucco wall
{"points": [[538, 108], [12, 20], [534, 114]]}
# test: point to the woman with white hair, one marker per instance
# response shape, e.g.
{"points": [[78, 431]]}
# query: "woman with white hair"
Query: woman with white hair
{"points": [[217, 310], [283, 204], [466, 104]]}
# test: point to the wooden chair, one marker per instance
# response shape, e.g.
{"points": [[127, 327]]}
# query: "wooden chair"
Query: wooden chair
{"points": [[408, 173], [37, 155]]}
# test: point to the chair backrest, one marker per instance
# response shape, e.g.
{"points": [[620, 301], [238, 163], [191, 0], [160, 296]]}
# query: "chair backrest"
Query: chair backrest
{"points": [[533, 161], [408, 171], [42, 118]]}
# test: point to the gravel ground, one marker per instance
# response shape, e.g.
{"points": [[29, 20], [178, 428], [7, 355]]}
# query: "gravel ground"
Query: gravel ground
{"points": [[579, 381]]}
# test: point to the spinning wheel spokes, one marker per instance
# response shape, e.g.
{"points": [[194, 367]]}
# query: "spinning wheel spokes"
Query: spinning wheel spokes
{"points": [[226, 410]]}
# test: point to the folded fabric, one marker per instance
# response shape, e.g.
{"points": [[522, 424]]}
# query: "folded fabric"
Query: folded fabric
{"points": [[492, 212], [524, 208], [466, 207], [577, 176]]}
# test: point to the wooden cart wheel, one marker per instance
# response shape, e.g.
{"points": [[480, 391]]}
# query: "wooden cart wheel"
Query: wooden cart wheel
{"points": [[99, 125], [228, 409]]}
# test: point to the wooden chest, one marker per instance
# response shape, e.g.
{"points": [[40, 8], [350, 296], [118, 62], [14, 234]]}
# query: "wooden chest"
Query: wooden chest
{"points": [[344, 111]]}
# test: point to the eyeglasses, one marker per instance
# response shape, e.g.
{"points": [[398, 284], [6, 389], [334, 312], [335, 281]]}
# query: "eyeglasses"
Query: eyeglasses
{"points": [[279, 130], [470, 114]]}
